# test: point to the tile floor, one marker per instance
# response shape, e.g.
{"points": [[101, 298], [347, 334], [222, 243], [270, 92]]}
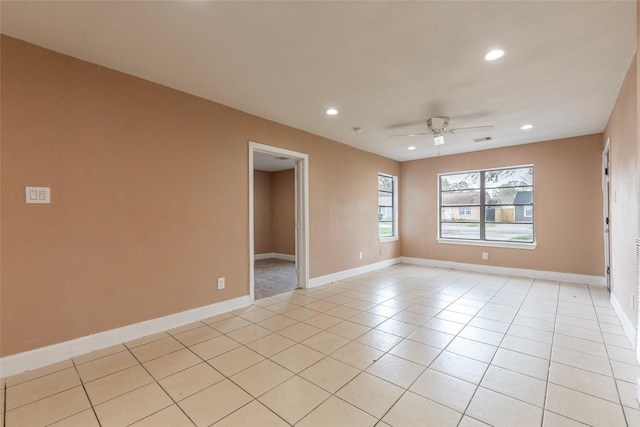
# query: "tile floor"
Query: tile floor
{"points": [[404, 346]]}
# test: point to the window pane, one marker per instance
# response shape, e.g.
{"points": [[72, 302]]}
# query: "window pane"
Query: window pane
{"points": [[508, 177], [509, 196], [454, 230], [461, 198], [509, 232], [385, 229], [460, 214], [460, 181], [385, 199], [385, 214], [385, 183]]}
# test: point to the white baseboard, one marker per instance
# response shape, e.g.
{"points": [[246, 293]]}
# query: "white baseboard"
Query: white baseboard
{"points": [[275, 255], [346, 274], [627, 324], [29, 360], [534, 274]]}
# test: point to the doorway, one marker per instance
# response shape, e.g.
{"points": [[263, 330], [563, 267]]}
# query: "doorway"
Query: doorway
{"points": [[281, 159], [606, 188]]}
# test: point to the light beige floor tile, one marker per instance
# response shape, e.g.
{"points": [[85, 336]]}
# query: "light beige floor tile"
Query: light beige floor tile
{"points": [[453, 316], [41, 387], [190, 381], [116, 384], [196, 335], [551, 419], [360, 304], [336, 412], [415, 352], [321, 306], [39, 372], [622, 354], [214, 347], [585, 361], [323, 321], [485, 336], [516, 385], [99, 353], [248, 334], [278, 322], [523, 363], [444, 389], [106, 365], [413, 410], [531, 334], [371, 394], [299, 332], [86, 418], [365, 318], [581, 345], [349, 330], [326, 342], [496, 315], [50, 409], [230, 324], [343, 312], [431, 337], [396, 370], [133, 406], [471, 422], [530, 347], [271, 344], [297, 358], [294, 399], [171, 416], [185, 328], [379, 340], [543, 325], [473, 349], [330, 374], [499, 410], [214, 403], [587, 382], [146, 340], [250, 415], [578, 332], [628, 394], [416, 319], [234, 361], [218, 318], [445, 326], [617, 340], [171, 363], [582, 407], [461, 367], [300, 313], [257, 315], [633, 417], [625, 371], [261, 377], [157, 348]]}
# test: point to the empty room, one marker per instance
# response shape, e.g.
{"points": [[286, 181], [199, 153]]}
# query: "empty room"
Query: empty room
{"points": [[312, 213]]}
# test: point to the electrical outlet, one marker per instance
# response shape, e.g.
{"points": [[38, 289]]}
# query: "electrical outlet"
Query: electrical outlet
{"points": [[485, 255], [360, 255], [220, 282]]}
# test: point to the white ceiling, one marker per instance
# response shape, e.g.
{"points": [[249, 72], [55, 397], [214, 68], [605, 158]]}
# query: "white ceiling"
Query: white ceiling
{"points": [[386, 66]]}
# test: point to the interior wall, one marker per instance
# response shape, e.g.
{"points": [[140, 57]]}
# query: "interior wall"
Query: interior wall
{"points": [[149, 199], [262, 212], [622, 132], [568, 206], [283, 212]]}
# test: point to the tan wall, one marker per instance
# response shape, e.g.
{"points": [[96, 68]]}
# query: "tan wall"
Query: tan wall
{"points": [[283, 213], [149, 199], [622, 133], [567, 180], [262, 212]]}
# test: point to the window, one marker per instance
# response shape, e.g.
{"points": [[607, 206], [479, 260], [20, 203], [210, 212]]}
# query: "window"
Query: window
{"points": [[494, 205], [387, 207]]}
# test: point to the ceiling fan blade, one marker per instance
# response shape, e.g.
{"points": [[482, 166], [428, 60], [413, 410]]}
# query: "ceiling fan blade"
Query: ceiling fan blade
{"points": [[470, 128], [411, 134]]}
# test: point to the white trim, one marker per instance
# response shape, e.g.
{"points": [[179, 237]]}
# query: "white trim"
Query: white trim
{"points": [[388, 239], [487, 243], [534, 274], [627, 324], [346, 274], [275, 255], [22, 362]]}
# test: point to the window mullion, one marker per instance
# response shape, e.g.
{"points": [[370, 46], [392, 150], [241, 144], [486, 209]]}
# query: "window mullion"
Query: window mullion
{"points": [[482, 206]]}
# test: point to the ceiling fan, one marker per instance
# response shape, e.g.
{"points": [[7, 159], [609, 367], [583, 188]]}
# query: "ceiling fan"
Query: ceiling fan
{"points": [[438, 126]]}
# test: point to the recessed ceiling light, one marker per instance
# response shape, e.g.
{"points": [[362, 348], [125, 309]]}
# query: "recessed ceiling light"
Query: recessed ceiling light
{"points": [[331, 111], [411, 148], [526, 127], [494, 54]]}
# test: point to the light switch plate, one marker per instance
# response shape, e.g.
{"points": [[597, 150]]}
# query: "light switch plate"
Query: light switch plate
{"points": [[40, 195]]}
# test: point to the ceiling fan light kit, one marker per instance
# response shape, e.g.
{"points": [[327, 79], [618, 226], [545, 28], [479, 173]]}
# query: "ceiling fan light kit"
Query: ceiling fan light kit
{"points": [[438, 139]]}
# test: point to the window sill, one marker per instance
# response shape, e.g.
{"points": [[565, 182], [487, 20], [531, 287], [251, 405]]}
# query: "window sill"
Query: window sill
{"points": [[510, 245], [388, 239]]}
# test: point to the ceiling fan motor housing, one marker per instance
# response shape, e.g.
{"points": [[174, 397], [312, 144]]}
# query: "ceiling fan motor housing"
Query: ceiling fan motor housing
{"points": [[438, 124]]}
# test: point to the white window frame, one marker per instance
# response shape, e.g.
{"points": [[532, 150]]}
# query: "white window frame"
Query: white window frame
{"points": [[396, 233]]}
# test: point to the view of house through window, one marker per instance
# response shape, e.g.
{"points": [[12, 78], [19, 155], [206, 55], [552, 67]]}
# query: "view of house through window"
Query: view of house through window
{"points": [[490, 205], [387, 206]]}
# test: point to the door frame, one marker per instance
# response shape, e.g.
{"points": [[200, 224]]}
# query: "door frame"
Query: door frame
{"points": [[606, 210], [301, 212]]}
